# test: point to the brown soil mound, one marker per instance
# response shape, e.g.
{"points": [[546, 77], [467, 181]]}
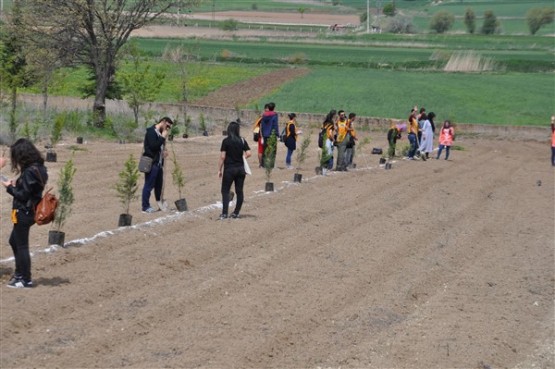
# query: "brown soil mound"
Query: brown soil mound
{"points": [[436, 264]]}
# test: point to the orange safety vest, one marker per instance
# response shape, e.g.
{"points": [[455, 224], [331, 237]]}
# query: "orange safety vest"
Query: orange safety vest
{"points": [[341, 130]]}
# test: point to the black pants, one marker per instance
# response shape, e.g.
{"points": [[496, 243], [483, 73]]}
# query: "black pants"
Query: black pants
{"points": [[19, 241], [237, 175]]}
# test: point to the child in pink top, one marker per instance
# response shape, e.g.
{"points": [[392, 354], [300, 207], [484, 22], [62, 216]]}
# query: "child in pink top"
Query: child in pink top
{"points": [[446, 138]]}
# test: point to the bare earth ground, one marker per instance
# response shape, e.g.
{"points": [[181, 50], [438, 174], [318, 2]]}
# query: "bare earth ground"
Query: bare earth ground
{"points": [[436, 264]]}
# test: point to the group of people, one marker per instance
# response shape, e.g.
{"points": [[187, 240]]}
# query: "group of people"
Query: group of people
{"points": [[28, 163], [338, 131], [420, 133]]}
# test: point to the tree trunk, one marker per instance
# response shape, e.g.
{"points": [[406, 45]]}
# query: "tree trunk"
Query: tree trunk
{"points": [[99, 105], [13, 123]]}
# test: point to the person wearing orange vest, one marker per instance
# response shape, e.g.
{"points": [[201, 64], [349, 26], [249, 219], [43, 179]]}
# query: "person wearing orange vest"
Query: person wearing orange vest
{"points": [[341, 142], [446, 138], [290, 138], [553, 140]]}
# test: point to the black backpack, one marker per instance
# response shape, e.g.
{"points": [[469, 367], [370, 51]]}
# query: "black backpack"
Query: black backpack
{"points": [[322, 137]]}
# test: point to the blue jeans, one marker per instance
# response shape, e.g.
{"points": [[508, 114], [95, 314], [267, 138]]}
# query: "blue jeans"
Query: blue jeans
{"points": [[412, 140], [446, 151], [153, 180], [288, 157]]}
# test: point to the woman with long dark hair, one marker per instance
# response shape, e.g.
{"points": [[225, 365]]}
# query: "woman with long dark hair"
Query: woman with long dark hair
{"points": [[231, 167], [26, 190]]}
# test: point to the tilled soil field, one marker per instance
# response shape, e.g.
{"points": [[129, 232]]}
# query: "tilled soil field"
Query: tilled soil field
{"points": [[436, 264]]}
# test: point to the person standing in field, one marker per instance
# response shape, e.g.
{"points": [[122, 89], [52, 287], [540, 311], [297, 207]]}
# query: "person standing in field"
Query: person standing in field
{"points": [[153, 147], [259, 139], [446, 138], [412, 133], [26, 190], [341, 141], [427, 141], [231, 168], [268, 126], [290, 138], [329, 126], [393, 135], [351, 140]]}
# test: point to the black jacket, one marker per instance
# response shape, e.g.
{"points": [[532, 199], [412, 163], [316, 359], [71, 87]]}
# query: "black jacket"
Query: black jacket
{"points": [[153, 144], [28, 188]]}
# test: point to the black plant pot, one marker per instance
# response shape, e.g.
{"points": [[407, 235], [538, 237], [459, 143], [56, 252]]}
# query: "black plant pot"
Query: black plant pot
{"points": [[79, 140], [185, 135], [170, 137], [297, 177], [51, 157], [181, 205], [224, 133], [56, 238], [318, 170], [269, 187], [387, 165], [354, 165], [205, 133], [125, 220], [382, 160]]}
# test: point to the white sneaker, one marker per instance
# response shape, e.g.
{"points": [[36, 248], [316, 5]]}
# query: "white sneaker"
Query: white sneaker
{"points": [[162, 205]]}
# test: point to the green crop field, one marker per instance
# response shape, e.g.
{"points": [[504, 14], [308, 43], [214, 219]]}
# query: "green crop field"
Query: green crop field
{"points": [[507, 99], [380, 75]]}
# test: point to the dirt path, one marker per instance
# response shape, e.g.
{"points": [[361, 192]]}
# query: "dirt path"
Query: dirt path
{"points": [[437, 264], [242, 93]]}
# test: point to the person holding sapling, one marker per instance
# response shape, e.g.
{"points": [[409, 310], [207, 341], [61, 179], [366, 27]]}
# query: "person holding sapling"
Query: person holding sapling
{"points": [[268, 125], [231, 167], [26, 190], [155, 140]]}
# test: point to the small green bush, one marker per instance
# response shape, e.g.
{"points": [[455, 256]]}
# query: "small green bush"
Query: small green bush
{"points": [[442, 21], [230, 25]]}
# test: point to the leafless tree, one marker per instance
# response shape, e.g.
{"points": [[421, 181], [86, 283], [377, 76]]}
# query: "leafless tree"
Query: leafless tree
{"points": [[92, 32]]}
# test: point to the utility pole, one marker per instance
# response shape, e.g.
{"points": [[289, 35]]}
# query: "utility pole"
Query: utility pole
{"points": [[367, 16]]}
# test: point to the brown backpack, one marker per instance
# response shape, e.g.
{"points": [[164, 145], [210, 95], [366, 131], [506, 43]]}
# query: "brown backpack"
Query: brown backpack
{"points": [[45, 212]]}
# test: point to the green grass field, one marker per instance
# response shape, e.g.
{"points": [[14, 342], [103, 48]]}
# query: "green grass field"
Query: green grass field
{"points": [[506, 99], [379, 75]]}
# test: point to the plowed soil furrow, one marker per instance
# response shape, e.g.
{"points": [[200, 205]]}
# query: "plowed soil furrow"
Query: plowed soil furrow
{"points": [[429, 265]]}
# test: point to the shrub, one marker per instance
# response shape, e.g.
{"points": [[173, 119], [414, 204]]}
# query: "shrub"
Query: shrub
{"points": [[270, 155], [470, 20], [389, 9], [442, 21], [65, 195], [538, 17], [399, 24], [230, 25], [491, 24], [127, 185]]}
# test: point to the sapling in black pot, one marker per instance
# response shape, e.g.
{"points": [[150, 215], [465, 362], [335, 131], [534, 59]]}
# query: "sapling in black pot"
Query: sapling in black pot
{"points": [[65, 200], [126, 189], [179, 182], [301, 157], [270, 160], [55, 137]]}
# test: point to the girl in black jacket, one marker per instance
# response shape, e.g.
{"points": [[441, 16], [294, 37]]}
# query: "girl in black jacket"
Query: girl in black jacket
{"points": [[26, 190]]}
